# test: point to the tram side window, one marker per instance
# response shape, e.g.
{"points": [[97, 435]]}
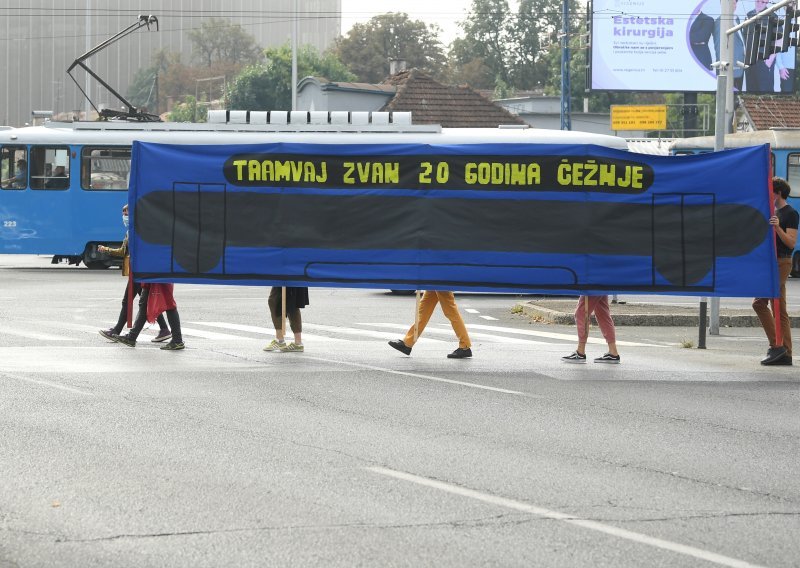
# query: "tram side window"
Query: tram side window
{"points": [[14, 167], [105, 168], [49, 167], [793, 173]]}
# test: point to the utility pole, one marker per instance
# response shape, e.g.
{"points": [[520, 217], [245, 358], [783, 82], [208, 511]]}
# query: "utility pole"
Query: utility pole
{"points": [[294, 54], [88, 85], [723, 124], [566, 121]]}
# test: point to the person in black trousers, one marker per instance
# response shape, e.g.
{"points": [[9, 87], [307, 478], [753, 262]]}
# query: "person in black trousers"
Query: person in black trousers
{"points": [[155, 299], [124, 253]]}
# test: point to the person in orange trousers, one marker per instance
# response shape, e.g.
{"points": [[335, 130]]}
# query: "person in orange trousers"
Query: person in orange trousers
{"points": [[426, 306]]}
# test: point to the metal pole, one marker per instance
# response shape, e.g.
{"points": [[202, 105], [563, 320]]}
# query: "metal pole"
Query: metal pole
{"points": [[723, 122], [294, 55], [727, 20], [566, 121], [88, 85]]}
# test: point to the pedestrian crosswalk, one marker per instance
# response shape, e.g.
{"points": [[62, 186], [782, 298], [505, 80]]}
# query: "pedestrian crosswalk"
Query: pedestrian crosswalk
{"points": [[199, 333]]}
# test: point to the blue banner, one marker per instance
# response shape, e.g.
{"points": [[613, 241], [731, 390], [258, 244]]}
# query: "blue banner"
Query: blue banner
{"points": [[555, 219]]}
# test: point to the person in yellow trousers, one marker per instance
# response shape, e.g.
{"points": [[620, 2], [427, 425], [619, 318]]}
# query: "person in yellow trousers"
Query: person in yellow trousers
{"points": [[426, 306]]}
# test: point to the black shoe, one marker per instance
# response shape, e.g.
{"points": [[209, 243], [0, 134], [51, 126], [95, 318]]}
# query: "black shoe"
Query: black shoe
{"points": [[460, 353], [108, 333], [173, 346], [785, 360], [400, 346], [124, 339], [608, 358], [575, 357], [162, 336], [774, 354]]}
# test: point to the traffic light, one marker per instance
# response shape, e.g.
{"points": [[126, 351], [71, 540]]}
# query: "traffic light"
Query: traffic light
{"points": [[789, 29], [751, 37], [768, 29]]}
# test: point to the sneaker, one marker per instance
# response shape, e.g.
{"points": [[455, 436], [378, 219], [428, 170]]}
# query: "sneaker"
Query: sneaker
{"points": [[774, 354], [460, 353], [400, 345], [575, 357], [291, 348], [162, 336], [173, 346], [785, 360], [108, 334], [274, 345], [124, 339], [607, 358]]}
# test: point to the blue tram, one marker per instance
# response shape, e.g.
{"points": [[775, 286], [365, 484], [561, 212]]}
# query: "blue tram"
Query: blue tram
{"points": [[62, 185]]}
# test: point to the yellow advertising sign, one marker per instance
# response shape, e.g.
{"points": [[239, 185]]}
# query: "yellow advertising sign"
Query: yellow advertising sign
{"points": [[641, 117]]}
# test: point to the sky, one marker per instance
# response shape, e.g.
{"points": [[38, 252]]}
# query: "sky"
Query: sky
{"points": [[445, 13]]}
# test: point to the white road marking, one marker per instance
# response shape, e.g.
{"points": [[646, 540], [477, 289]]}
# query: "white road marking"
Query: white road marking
{"points": [[415, 375], [107, 357], [640, 538], [34, 335], [46, 383], [448, 330], [356, 331], [564, 336], [266, 330], [471, 311], [490, 318], [212, 335]]}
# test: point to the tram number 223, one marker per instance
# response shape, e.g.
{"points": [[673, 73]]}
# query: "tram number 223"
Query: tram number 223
{"points": [[10, 224]]}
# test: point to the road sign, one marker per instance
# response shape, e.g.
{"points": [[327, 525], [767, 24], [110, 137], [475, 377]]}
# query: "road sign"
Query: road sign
{"points": [[638, 117]]}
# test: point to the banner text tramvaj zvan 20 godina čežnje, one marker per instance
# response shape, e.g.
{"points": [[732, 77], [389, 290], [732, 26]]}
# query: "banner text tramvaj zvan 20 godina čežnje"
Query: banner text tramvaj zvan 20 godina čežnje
{"points": [[557, 219]]}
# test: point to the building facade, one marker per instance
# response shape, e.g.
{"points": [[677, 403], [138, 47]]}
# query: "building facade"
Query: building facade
{"points": [[41, 39]]}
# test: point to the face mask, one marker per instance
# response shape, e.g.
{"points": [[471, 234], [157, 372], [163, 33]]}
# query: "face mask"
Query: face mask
{"points": [[125, 221]]}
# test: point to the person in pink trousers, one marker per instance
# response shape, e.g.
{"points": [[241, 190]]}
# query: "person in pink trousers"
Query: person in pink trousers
{"points": [[597, 305]]}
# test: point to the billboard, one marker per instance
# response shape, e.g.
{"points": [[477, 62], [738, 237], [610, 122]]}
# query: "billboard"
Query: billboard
{"points": [[652, 45], [544, 218]]}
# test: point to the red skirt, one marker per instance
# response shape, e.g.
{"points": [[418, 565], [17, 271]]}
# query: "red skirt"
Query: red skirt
{"points": [[160, 300]]}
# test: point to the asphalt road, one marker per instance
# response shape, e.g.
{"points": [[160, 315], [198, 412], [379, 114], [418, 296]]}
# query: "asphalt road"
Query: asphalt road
{"points": [[352, 454]]}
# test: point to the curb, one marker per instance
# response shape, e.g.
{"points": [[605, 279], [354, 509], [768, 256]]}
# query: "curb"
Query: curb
{"points": [[548, 315]]}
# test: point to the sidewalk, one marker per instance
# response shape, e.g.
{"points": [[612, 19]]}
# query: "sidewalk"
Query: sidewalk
{"points": [[560, 311]]}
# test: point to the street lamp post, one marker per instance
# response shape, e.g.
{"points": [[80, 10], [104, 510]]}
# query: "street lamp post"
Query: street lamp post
{"points": [[566, 121]]}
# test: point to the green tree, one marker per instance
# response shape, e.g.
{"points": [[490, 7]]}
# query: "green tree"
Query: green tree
{"points": [[189, 111], [268, 86], [367, 48], [142, 90], [512, 47], [219, 41], [486, 38]]}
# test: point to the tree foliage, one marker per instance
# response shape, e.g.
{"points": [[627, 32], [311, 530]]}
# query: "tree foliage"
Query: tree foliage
{"points": [[268, 86], [367, 48], [512, 46], [189, 111], [219, 41]]}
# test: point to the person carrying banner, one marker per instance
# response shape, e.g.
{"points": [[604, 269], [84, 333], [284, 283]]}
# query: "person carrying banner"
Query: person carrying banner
{"points": [[296, 298], [597, 305], [785, 221], [124, 253], [426, 306], [153, 301]]}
